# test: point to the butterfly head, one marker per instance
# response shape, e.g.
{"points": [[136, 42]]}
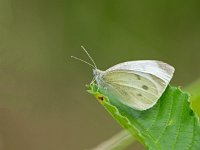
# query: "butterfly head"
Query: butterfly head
{"points": [[96, 72], [97, 75]]}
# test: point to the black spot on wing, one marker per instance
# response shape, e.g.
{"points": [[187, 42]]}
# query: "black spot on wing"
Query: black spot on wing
{"points": [[145, 87], [138, 77]]}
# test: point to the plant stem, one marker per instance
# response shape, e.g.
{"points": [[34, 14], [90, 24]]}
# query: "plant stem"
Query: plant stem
{"points": [[119, 141]]}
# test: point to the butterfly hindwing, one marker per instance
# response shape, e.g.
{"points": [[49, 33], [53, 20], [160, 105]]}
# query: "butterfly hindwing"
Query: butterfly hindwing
{"points": [[135, 89]]}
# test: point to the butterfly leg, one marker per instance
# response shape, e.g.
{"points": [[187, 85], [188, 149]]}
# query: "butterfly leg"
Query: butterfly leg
{"points": [[93, 80]]}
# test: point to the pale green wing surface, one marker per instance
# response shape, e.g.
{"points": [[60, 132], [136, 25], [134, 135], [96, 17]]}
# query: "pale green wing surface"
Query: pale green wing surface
{"points": [[135, 89], [157, 68]]}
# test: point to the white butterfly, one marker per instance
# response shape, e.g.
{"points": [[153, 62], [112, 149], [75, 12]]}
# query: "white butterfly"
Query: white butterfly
{"points": [[137, 84]]}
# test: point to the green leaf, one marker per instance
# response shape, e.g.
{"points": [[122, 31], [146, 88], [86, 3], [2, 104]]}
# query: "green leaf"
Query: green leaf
{"points": [[169, 125]]}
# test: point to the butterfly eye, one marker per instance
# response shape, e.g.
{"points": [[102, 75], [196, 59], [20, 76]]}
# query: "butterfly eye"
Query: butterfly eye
{"points": [[101, 98]]}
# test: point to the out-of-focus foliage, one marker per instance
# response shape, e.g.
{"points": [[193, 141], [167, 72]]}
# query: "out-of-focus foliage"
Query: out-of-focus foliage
{"points": [[194, 89], [40, 86]]}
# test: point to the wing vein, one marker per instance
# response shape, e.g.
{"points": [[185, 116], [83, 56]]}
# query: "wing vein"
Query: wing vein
{"points": [[126, 85]]}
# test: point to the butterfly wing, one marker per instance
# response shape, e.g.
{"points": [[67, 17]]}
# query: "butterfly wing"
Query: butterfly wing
{"points": [[159, 69], [138, 86]]}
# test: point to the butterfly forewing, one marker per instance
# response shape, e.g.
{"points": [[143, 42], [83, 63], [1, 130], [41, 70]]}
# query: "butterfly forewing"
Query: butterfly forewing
{"points": [[157, 68]]}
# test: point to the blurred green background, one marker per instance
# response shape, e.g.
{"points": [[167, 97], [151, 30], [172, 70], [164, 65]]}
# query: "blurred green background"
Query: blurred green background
{"points": [[43, 102]]}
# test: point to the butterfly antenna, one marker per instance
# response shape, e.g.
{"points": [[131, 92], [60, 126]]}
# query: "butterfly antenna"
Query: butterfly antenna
{"points": [[84, 61], [89, 56]]}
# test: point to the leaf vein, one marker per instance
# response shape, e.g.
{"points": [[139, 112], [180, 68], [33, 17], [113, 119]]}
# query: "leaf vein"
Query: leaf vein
{"points": [[179, 125], [190, 148], [155, 118], [170, 115]]}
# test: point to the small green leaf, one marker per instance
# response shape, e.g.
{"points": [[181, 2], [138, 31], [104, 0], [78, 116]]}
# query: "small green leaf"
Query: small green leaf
{"points": [[170, 125]]}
